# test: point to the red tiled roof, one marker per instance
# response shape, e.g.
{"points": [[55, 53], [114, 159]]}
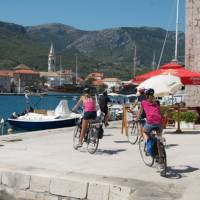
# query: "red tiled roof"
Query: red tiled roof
{"points": [[8, 73], [95, 75], [26, 71], [97, 82]]}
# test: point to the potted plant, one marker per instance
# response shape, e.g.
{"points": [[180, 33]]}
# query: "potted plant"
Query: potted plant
{"points": [[187, 119]]}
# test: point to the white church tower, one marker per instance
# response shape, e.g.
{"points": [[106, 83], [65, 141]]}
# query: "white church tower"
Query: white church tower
{"points": [[51, 60]]}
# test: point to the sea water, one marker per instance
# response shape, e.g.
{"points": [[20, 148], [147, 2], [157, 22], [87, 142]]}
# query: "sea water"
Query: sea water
{"points": [[18, 103]]}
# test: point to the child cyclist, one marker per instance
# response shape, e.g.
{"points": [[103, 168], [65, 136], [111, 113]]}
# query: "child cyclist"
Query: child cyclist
{"points": [[151, 107]]}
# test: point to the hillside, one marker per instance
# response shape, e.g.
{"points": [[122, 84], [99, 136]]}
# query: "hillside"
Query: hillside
{"points": [[108, 50]]}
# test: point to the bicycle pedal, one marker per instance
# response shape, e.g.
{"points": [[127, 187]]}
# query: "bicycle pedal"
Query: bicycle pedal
{"points": [[163, 141]]}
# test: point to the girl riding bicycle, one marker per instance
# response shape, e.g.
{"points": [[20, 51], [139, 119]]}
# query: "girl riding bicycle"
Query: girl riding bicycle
{"points": [[153, 116], [151, 108], [89, 108]]}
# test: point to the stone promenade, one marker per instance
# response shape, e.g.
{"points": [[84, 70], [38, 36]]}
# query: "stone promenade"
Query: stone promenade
{"points": [[43, 165]]}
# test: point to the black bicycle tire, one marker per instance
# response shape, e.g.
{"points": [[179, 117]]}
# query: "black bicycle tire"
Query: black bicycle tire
{"points": [[164, 171], [76, 131], [89, 141], [137, 136], [102, 120], [143, 153]]}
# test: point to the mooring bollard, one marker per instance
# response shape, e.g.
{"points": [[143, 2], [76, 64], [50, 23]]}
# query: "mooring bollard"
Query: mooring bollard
{"points": [[2, 125], [10, 131]]}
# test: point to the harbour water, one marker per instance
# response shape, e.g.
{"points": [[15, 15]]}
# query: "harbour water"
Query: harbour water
{"points": [[18, 103]]}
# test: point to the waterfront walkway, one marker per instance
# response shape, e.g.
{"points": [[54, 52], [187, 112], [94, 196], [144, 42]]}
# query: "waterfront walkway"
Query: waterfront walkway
{"points": [[43, 165]]}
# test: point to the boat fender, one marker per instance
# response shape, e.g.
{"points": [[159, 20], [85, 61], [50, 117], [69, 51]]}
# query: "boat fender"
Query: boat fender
{"points": [[10, 131]]}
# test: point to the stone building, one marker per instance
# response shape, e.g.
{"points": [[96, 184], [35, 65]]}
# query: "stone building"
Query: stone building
{"points": [[25, 77], [192, 49], [6, 77]]}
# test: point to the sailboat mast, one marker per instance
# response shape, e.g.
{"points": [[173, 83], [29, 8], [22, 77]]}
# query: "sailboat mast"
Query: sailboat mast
{"points": [[76, 69], [177, 23], [134, 60], [154, 62], [60, 69]]}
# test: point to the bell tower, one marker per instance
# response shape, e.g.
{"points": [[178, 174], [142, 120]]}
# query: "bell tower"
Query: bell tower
{"points": [[51, 60]]}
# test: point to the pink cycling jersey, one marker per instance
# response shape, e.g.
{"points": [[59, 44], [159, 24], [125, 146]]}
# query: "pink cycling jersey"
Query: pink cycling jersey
{"points": [[89, 105], [152, 111]]}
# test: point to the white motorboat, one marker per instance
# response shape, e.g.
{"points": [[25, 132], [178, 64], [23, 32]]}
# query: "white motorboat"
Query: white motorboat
{"points": [[59, 118]]}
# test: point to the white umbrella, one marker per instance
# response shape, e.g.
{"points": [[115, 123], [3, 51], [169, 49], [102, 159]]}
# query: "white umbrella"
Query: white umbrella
{"points": [[162, 84]]}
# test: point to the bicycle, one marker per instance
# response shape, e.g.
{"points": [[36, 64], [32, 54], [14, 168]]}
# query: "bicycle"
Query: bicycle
{"points": [[158, 154], [133, 131], [91, 136], [101, 118]]}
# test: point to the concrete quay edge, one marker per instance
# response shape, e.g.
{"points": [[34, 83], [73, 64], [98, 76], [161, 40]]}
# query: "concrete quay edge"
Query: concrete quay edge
{"points": [[34, 184]]}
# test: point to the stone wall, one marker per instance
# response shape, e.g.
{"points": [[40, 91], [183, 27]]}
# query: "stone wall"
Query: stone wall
{"points": [[42, 184], [23, 185], [192, 49]]}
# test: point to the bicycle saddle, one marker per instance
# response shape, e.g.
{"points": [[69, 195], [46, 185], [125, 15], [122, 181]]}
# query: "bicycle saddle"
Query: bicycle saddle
{"points": [[93, 121], [157, 129]]}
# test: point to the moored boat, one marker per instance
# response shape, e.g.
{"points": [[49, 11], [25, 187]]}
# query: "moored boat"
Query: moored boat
{"points": [[33, 120]]}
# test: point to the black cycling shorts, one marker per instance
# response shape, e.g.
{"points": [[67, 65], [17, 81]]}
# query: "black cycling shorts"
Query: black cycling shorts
{"points": [[90, 115], [104, 110]]}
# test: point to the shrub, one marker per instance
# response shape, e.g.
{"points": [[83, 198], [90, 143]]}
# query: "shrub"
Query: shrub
{"points": [[188, 116], [164, 111]]}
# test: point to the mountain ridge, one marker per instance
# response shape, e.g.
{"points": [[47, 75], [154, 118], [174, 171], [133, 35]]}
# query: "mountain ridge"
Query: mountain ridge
{"points": [[107, 50]]}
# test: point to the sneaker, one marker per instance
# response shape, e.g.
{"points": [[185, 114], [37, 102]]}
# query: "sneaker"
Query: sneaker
{"points": [[79, 145], [161, 166], [106, 124]]}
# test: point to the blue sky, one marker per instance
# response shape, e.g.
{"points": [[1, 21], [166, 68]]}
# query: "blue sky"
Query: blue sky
{"points": [[94, 14]]}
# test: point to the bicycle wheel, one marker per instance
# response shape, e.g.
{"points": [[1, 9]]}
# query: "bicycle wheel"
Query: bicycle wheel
{"points": [[133, 133], [163, 172], [76, 136], [112, 116], [102, 119], [92, 140], [147, 159]]}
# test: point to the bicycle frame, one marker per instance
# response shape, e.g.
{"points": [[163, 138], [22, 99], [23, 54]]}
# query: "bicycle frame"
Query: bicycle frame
{"points": [[135, 131], [90, 138]]}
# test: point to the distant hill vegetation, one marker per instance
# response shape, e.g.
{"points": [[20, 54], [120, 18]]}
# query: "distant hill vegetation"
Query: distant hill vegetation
{"points": [[110, 51]]}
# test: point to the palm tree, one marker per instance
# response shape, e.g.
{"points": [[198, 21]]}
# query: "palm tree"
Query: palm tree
{"points": [[43, 80]]}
